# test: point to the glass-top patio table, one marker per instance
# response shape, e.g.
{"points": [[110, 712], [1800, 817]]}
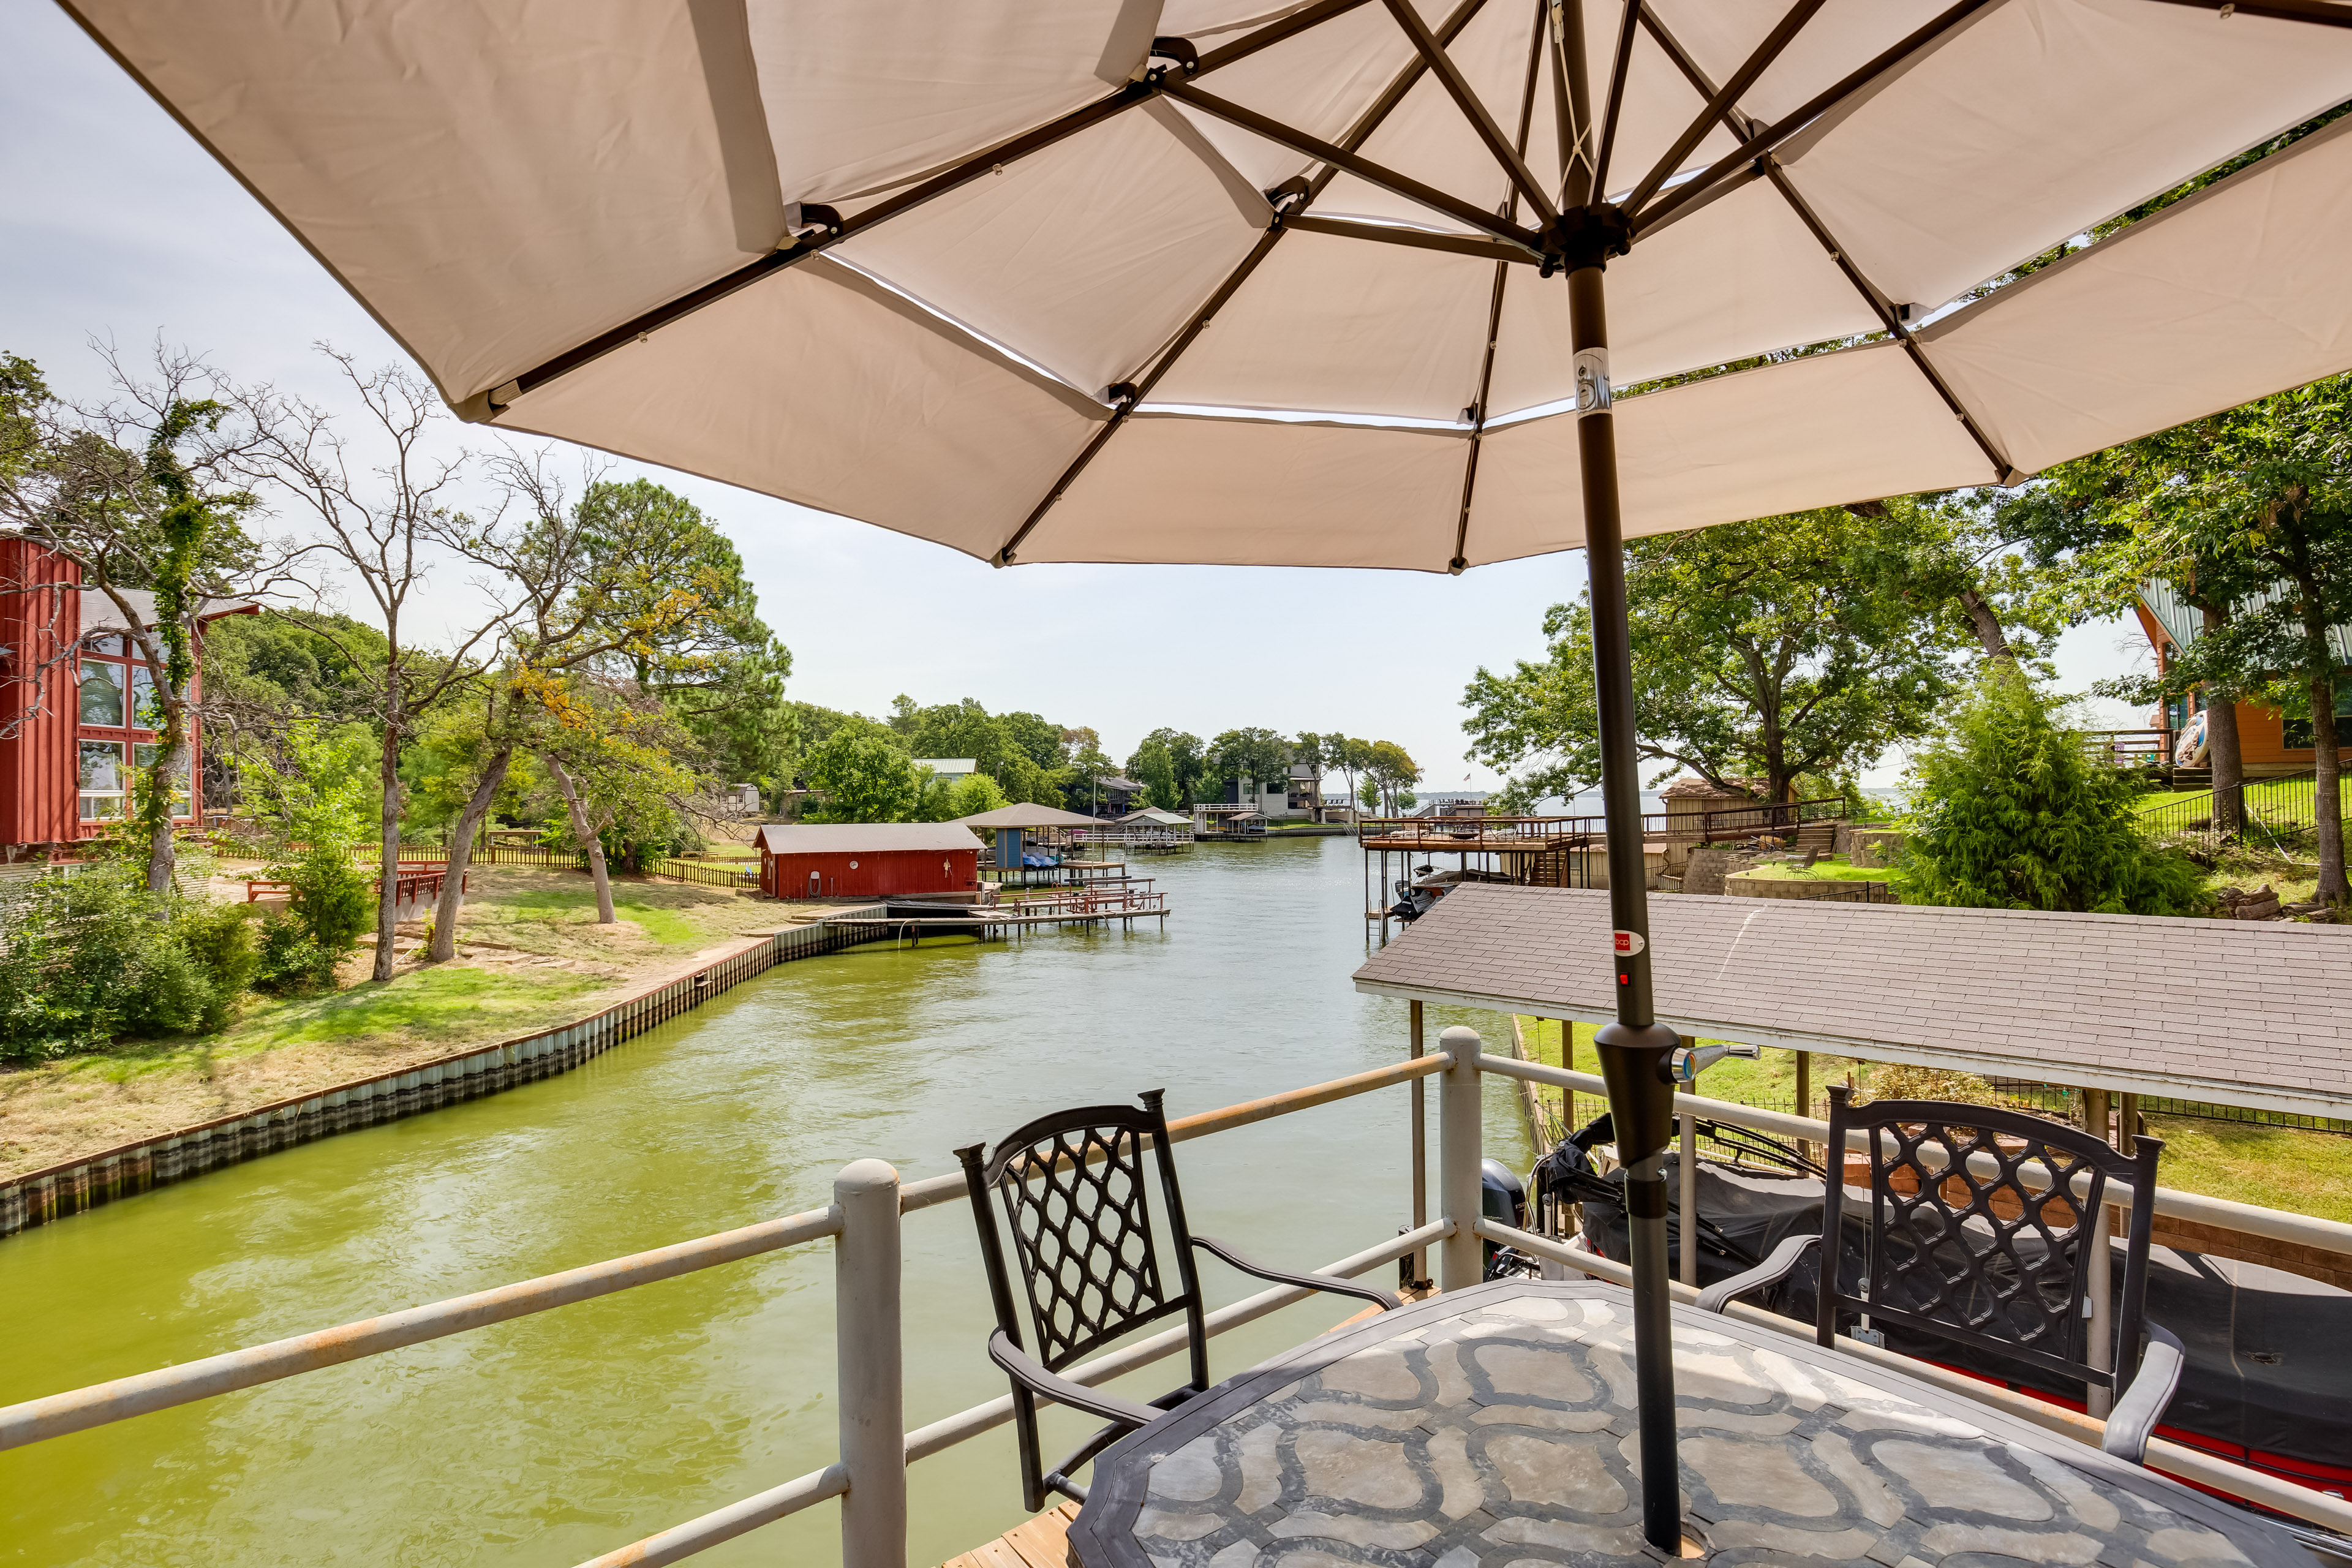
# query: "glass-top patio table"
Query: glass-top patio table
{"points": [[1494, 1425]]}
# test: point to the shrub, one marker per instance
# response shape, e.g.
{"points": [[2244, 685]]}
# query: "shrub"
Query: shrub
{"points": [[332, 900], [286, 959], [91, 955], [2007, 813]]}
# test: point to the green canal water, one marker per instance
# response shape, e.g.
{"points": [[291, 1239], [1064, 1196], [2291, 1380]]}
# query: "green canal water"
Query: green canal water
{"points": [[544, 1442]]}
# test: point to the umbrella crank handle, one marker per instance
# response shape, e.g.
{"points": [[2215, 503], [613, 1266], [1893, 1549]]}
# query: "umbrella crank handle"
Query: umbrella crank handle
{"points": [[1684, 1063]]}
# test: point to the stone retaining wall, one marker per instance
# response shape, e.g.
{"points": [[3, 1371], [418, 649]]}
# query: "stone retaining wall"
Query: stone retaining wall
{"points": [[42, 1196], [1755, 885]]}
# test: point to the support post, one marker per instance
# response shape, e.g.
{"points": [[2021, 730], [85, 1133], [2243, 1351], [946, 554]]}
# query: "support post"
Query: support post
{"points": [[1420, 1259], [1635, 1049], [1460, 1263], [1686, 1224], [2097, 1282], [1805, 1097], [870, 1376], [2128, 1125]]}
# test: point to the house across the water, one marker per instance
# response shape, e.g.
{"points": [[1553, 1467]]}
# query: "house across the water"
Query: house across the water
{"points": [[77, 708]]}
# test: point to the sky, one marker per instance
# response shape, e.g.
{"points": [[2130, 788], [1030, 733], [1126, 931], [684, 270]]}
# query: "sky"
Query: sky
{"points": [[119, 227]]}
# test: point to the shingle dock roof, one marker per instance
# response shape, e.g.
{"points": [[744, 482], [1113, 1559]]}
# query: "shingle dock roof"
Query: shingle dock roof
{"points": [[2233, 1013]]}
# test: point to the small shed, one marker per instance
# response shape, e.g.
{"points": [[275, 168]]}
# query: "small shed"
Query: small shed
{"points": [[866, 860]]}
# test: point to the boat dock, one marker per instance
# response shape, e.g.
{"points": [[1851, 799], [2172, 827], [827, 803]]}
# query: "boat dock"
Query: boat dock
{"points": [[1126, 901]]}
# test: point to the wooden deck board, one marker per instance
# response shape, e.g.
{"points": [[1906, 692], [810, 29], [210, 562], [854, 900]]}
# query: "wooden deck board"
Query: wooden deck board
{"points": [[1039, 1543]]}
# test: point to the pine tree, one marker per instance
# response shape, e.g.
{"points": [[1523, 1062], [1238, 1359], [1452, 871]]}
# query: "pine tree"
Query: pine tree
{"points": [[2008, 813]]}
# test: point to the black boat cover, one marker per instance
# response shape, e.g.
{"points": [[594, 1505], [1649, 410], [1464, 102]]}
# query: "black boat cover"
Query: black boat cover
{"points": [[2270, 1353]]}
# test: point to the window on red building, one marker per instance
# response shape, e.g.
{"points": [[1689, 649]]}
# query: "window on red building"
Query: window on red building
{"points": [[119, 716]]}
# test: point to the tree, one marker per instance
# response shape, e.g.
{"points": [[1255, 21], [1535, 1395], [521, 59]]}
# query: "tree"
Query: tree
{"points": [[379, 527], [141, 492], [2008, 813], [1089, 767], [720, 671], [1184, 755], [1152, 766], [2252, 510], [974, 794], [608, 619], [606, 748], [1391, 772], [1349, 757], [1252, 757], [1771, 649], [862, 775]]}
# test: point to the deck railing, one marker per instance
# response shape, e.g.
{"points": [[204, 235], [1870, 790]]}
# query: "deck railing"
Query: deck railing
{"points": [[869, 1204], [1711, 825], [2129, 748]]}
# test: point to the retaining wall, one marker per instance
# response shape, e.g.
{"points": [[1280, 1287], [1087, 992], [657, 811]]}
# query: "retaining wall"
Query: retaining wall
{"points": [[42, 1196]]}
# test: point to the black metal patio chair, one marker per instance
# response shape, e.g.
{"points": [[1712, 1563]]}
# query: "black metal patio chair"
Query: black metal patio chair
{"points": [[1074, 1196], [1990, 1255]]}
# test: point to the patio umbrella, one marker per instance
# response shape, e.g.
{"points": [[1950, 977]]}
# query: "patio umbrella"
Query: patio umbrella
{"points": [[1274, 283]]}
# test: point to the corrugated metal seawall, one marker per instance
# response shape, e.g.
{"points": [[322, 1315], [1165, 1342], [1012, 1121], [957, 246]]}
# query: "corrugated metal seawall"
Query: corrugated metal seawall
{"points": [[40, 1197]]}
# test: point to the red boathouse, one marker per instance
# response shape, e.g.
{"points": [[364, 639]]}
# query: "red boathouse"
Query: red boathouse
{"points": [[868, 859]]}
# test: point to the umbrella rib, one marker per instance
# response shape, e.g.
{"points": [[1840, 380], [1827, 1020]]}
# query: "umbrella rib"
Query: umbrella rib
{"points": [[1355, 164], [1369, 121], [1608, 114], [1460, 557], [1782, 34], [1419, 238], [1457, 87], [1739, 125], [1820, 103], [801, 249], [2323, 12], [1273, 33], [1575, 140]]}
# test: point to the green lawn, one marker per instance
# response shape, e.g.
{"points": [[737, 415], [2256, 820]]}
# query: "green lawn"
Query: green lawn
{"points": [[1834, 870]]}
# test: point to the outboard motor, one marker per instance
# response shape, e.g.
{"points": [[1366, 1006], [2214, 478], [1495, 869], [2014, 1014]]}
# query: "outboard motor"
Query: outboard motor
{"points": [[1502, 1197]]}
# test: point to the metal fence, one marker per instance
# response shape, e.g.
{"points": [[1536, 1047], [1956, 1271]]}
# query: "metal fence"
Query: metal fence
{"points": [[2274, 813], [864, 1221], [2066, 1104]]}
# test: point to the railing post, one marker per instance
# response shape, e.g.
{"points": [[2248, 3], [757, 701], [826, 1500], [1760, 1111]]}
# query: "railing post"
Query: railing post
{"points": [[1418, 1263], [870, 1379], [1458, 1155], [2097, 1281]]}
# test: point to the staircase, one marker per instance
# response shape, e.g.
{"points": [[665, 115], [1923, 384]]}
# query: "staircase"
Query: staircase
{"points": [[1816, 836]]}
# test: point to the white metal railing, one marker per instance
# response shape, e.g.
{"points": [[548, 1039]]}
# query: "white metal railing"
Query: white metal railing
{"points": [[869, 1203]]}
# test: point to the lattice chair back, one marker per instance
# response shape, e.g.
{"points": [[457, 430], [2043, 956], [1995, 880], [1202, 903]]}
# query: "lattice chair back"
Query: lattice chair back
{"points": [[1982, 1241]]}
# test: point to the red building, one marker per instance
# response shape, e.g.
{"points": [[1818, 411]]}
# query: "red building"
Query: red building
{"points": [[77, 711], [867, 860]]}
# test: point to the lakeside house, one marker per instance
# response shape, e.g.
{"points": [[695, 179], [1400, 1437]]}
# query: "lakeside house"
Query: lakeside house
{"points": [[1297, 796], [948, 771], [77, 709], [1454, 803], [2270, 743], [866, 860]]}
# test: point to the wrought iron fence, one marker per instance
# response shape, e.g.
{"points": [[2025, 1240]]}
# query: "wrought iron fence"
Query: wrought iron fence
{"points": [[2066, 1104], [2272, 812]]}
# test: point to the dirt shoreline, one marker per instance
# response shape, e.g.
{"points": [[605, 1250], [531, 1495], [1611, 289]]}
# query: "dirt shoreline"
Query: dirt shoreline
{"points": [[530, 958]]}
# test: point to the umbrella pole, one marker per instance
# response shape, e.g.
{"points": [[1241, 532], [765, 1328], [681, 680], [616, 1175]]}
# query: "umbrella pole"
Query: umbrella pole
{"points": [[1635, 1049]]}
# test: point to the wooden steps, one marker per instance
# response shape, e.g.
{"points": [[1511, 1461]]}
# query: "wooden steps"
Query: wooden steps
{"points": [[1039, 1543]]}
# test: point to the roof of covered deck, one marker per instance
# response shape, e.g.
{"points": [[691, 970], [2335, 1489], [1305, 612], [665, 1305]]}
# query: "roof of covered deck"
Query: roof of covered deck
{"points": [[2252, 1014]]}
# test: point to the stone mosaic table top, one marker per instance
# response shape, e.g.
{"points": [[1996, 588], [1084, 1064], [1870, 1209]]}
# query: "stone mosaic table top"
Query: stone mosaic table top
{"points": [[1496, 1426]]}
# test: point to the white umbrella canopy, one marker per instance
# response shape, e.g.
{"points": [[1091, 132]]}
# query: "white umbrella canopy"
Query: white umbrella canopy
{"points": [[890, 259]]}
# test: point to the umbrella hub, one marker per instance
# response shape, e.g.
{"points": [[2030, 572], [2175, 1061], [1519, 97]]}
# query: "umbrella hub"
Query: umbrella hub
{"points": [[1587, 237]]}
